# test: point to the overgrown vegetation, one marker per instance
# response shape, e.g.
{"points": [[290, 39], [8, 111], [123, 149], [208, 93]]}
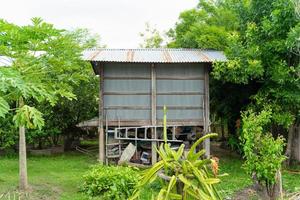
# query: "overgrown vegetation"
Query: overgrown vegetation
{"points": [[45, 67], [263, 153], [261, 41], [110, 182], [185, 176]]}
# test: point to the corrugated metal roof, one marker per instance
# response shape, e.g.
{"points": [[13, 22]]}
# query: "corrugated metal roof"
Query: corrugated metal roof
{"points": [[154, 55]]}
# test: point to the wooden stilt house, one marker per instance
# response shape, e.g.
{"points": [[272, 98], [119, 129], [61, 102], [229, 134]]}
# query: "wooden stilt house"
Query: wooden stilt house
{"points": [[135, 84]]}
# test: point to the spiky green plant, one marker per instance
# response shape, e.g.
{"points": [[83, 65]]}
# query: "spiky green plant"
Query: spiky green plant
{"points": [[188, 177]]}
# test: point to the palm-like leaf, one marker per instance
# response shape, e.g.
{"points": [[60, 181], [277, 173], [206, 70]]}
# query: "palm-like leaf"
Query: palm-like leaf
{"points": [[191, 171]]}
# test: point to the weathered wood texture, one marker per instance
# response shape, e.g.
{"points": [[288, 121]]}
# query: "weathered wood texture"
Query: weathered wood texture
{"points": [[296, 143], [153, 113], [206, 112], [101, 117]]}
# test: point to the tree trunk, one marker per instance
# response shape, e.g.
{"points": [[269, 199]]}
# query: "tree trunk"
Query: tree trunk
{"points": [[222, 129], [22, 155], [275, 191], [288, 151], [278, 186]]}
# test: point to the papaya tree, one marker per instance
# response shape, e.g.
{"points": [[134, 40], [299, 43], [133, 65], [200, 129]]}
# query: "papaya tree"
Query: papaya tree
{"points": [[45, 65]]}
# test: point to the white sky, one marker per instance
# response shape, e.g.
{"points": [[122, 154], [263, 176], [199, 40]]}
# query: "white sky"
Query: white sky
{"points": [[118, 22]]}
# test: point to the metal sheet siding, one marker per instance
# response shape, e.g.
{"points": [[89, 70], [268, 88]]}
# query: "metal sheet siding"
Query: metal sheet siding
{"points": [[179, 86], [126, 114], [181, 114], [126, 70], [126, 100], [127, 89], [181, 91], [129, 85], [179, 69], [180, 100]]}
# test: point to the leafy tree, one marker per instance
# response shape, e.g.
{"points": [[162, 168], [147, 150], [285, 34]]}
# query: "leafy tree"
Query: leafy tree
{"points": [[261, 41], [8, 136], [263, 153], [264, 52], [46, 64], [61, 119], [209, 26], [151, 38]]}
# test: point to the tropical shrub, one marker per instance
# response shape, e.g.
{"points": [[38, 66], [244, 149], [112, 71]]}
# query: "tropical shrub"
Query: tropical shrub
{"points": [[110, 182], [263, 152], [8, 133], [187, 177]]}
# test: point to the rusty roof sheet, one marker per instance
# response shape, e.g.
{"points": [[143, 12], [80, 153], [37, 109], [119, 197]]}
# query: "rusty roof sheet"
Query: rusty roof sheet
{"points": [[154, 55]]}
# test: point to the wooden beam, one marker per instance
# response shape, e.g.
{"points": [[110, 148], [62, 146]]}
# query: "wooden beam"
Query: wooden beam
{"points": [[184, 78], [157, 78], [153, 112], [140, 122], [206, 111], [149, 108], [181, 107], [126, 78], [101, 115], [158, 93], [127, 108]]}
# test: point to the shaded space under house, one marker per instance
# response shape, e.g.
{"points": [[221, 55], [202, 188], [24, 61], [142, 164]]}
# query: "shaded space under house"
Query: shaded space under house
{"points": [[135, 84]]}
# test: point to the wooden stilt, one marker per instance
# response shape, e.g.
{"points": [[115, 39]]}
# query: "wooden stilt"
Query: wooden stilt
{"points": [[153, 113], [206, 111], [100, 127]]}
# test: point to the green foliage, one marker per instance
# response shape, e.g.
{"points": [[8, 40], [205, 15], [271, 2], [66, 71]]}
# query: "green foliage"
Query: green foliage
{"points": [[261, 41], [8, 132], [61, 119], [263, 153], [151, 37], [189, 170], [4, 107], [206, 26], [265, 51], [235, 144], [29, 117], [46, 65], [110, 182]]}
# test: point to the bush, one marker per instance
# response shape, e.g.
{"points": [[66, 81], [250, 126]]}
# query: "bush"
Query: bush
{"points": [[263, 152], [110, 182]]}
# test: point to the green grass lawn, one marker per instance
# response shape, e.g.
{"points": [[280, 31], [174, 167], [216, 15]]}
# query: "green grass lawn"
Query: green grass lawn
{"points": [[55, 177], [58, 177]]}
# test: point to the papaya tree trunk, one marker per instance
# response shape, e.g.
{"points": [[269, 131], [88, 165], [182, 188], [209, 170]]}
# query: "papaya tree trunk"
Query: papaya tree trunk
{"points": [[22, 155]]}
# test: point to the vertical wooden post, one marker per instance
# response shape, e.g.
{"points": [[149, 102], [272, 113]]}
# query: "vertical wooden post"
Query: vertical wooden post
{"points": [[206, 111], [101, 112], [153, 112]]}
